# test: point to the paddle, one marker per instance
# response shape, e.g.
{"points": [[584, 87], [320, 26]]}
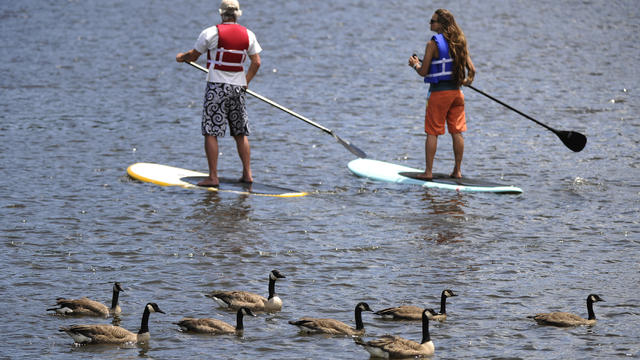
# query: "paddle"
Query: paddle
{"points": [[352, 148], [571, 139]]}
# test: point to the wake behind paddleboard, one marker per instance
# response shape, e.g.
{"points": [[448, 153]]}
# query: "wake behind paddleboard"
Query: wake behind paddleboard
{"points": [[384, 171], [165, 175]]}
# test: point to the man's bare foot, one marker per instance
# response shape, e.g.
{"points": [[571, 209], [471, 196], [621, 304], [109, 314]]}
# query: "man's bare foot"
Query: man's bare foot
{"points": [[208, 182], [456, 175]]}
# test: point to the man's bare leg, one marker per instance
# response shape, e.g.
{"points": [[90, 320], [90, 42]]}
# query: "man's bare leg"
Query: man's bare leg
{"points": [[244, 151], [211, 149]]}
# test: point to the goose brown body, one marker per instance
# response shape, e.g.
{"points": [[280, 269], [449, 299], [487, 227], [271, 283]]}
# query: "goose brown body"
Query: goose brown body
{"points": [[565, 319], [214, 326], [237, 299], [332, 326], [87, 307], [100, 334], [404, 312], [411, 312], [109, 334], [395, 347]]}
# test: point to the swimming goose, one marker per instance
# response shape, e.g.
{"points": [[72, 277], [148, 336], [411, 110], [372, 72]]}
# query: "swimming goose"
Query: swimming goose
{"points": [[395, 347], [109, 334], [410, 312], [568, 319], [214, 326], [442, 315], [331, 326], [87, 307], [238, 299]]}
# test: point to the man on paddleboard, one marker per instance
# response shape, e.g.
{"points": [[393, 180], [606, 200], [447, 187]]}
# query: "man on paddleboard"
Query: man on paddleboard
{"points": [[446, 66], [227, 46]]}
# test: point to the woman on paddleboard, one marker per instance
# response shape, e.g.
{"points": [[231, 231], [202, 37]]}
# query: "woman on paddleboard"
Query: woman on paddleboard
{"points": [[227, 46], [446, 66]]}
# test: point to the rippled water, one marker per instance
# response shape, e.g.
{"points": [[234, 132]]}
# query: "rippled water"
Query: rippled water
{"points": [[90, 87]]}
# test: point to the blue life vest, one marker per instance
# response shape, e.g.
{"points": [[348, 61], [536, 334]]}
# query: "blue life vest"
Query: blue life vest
{"points": [[442, 68]]}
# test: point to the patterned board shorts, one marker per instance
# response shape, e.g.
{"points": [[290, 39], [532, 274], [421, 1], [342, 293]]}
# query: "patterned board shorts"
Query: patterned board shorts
{"points": [[224, 103]]}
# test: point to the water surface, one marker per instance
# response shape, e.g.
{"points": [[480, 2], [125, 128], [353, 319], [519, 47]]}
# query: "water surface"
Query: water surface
{"points": [[90, 87]]}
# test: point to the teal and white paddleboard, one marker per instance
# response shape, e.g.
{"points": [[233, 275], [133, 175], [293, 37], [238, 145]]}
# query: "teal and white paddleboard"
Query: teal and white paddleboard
{"points": [[384, 171]]}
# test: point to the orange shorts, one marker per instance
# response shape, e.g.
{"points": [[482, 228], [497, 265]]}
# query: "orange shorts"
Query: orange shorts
{"points": [[445, 107]]}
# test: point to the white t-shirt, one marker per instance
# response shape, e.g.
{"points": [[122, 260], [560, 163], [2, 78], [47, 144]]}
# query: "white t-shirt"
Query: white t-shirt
{"points": [[208, 40]]}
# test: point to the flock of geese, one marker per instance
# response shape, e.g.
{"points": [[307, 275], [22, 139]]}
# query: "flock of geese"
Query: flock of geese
{"points": [[248, 303]]}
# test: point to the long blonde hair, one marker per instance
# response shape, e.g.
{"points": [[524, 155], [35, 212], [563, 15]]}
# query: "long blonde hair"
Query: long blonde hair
{"points": [[457, 43]]}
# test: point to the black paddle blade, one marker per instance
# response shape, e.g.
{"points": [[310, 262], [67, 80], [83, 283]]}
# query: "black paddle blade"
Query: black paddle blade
{"points": [[352, 148], [573, 140]]}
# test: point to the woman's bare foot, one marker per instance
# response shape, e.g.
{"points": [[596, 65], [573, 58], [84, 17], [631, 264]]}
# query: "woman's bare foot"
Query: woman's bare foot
{"points": [[208, 182], [456, 175], [424, 176], [246, 177]]}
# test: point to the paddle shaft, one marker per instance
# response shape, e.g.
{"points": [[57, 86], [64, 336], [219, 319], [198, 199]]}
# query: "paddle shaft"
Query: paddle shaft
{"points": [[345, 143], [511, 108], [289, 111], [571, 139]]}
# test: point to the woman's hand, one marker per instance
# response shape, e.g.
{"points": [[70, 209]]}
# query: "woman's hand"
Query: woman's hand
{"points": [[414, 61]]}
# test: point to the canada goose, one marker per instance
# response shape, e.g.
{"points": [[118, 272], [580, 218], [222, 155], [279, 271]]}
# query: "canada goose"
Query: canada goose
{"points": [[410, 312], [109, 334], [568, 319], [395, 347], [331, 326], [237, 299], [87, 307], [214, 326]]}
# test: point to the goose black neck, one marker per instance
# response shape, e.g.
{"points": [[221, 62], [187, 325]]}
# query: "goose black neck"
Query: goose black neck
{"points": [[592, 315], [425, 329], [239, 323], [359, 324], [114, 298], [443, 304], [144, 325], [272, 287]]}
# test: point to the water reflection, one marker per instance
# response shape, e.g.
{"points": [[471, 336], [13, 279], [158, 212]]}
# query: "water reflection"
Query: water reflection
{"points": [[445, 228], [115, 321], [217, 209], [444, 205], [144, 349], [444, 237]]}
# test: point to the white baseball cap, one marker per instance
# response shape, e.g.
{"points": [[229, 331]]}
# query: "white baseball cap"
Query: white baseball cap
{"points": [[228, 6]]}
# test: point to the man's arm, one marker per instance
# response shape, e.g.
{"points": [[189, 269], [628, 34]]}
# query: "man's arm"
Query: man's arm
{"points": [[191, 55], [253, 68]]}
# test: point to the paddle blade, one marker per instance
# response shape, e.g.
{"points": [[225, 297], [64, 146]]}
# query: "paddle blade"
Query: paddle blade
{"points": [[352, 148], [573, 140]]}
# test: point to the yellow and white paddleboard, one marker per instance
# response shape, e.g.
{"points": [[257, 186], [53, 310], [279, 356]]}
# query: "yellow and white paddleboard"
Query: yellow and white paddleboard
{"points": [[165, 175]]}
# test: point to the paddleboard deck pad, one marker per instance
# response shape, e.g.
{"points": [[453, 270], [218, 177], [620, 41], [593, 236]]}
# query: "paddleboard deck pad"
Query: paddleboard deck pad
{"points": [[388, 172], [165, 175]]}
